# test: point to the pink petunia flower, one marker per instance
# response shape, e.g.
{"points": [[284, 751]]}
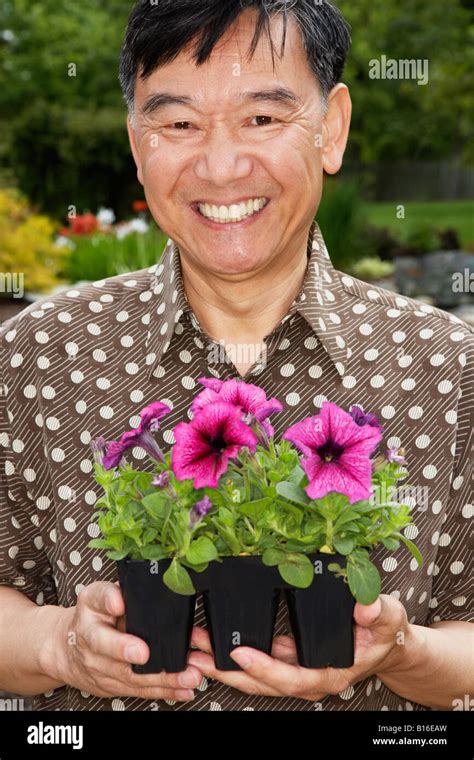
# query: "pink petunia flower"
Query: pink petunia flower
{"points": [[336, 452], [141, 436], [251, 399], [204, 446]]}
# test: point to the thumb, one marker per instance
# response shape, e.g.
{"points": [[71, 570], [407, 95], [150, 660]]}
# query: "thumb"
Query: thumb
{"points": [[368, 615]]}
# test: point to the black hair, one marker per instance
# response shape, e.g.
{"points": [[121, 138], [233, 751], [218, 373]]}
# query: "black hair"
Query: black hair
{"points": [[159, 30]]}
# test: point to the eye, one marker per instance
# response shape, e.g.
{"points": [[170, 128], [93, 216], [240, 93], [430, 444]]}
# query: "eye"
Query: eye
{"points": [[181, 125], [262, 121]]}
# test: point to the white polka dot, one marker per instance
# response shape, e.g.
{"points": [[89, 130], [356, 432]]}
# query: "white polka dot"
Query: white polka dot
{"points": [[415, 412], [315, 371], [388, 411], [349, 381], [58, 455], [287, 370], [377, 381], [445, 386], [99, 355], [422, 441], [371, 354], [399, 336]]}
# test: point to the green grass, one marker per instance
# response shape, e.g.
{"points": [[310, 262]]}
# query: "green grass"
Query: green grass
{"points": [[458, 215]]}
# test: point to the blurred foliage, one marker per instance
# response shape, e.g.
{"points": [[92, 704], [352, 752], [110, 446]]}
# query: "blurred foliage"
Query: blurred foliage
{"points": [[103, 255], [372, 268], [63, 137], [344, 239], [399, 118], [27, 245]]}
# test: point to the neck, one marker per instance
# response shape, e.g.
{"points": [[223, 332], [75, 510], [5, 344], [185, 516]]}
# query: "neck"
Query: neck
{"points": [[243, 311]]}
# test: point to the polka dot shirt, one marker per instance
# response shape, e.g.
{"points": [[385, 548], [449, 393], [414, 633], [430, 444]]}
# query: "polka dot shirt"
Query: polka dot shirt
{"points": [[83, 363]]}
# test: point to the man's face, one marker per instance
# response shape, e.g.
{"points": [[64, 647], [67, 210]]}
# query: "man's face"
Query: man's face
{"points": [[229, 148]]}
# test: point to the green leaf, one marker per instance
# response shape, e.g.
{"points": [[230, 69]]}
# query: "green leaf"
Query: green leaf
{"points": [[343, 545], [178, 579], [156, 504], [152, 552], [391, 543], [118, 555], [412, 548], [201, 550], [297, 570], [99, 543], [254, 509], [292, 492], [271, 557], [296, 475], [364, 580]]}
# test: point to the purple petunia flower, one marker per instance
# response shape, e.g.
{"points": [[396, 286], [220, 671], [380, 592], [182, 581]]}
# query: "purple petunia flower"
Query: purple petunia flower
{"points": [[161, 480], [199, 510], [395, 455], [141, 436], [361, 418], [251, 399], [336, 452], [204, 446], [99, 448]]}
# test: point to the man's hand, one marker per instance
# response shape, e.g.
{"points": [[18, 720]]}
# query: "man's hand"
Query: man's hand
{"points": [[91, 651], [383, 641]]}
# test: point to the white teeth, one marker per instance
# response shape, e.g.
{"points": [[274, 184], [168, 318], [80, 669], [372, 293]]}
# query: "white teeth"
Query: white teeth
{"points": [[234, 213]]}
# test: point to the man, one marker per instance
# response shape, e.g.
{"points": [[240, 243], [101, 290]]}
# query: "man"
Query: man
{"points": [[231, 133]]}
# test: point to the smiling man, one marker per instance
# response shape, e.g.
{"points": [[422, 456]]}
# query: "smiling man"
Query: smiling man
{"points": [[236, 111]]}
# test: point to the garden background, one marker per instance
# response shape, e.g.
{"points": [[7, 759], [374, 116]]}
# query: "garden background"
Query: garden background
{"points": [[399, 213]]}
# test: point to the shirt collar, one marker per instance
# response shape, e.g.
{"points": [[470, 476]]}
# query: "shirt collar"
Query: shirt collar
{"points": [[322, 301]]}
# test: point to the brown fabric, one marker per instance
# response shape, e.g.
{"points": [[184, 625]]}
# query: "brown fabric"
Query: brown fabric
{"points": [[84, 362]]}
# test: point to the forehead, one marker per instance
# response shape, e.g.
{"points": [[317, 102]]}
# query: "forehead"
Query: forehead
{"points": [[230, 66]]}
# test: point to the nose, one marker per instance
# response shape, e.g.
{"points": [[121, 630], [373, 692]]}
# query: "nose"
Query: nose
{"points": [[222, 159]]}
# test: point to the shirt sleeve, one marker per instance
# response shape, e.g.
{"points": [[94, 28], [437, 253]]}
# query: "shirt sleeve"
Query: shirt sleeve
{"points": [[24, 564], [452, 592]]}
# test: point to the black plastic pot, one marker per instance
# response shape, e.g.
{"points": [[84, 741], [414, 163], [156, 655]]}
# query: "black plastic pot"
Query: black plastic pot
{"points": [[157, 615], [240, 597], [321, 617]]}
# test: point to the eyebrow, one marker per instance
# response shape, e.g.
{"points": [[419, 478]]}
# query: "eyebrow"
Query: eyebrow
{"points": [[281, 95]]}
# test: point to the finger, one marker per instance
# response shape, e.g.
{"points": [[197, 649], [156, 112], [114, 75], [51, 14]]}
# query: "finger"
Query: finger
{"points": [[283, 648], [106, 640], [105, 668], [104, 598], [200, 639], [235, 678], [281, 676]]}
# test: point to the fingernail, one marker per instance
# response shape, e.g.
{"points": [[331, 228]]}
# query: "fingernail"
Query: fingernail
{"points": [[185, 694], [109, 603], [133, 653], [241, 658], [189, 679]]}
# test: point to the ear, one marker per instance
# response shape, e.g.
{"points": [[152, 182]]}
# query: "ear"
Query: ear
{"points": [[336, 125], [132, 136]]}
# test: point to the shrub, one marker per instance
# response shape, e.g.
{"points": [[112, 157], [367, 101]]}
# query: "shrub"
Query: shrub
{"points": [[27, 244]]}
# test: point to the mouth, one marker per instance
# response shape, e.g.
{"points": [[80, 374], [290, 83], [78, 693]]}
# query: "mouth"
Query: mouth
{"points": [[238, 212]]}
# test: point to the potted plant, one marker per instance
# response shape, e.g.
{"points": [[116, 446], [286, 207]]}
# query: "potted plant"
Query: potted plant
{"points": [[232, 514]]}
